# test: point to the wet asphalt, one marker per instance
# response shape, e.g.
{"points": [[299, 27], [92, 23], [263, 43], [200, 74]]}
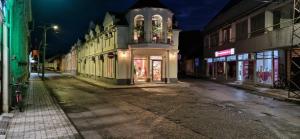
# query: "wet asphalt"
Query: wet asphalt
{"points": [[202, 110]]}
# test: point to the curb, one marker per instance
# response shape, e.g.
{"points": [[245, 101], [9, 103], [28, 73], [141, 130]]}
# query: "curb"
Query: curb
{"points": [[112, 88], [259, 93]]}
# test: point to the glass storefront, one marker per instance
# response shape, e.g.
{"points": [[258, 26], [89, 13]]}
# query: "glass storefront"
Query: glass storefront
{"points": [[261, 67], [157, 70], [266, 67], [140, 69], [147, 69], [220, 64], [243, 67]]}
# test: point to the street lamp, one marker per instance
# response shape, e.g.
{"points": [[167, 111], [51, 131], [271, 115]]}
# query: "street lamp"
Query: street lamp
{"points": [[45, 28]]}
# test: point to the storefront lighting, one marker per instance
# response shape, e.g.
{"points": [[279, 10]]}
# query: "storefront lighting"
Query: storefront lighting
{"points": [[123, 54], [173, 55], [226, 52]]}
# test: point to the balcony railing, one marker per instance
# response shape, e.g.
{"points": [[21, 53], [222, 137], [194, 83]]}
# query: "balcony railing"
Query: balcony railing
{"points": [[157, 39]]}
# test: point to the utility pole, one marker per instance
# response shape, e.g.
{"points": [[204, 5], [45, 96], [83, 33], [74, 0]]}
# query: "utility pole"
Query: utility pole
{"points": [[45, 28], [44, 51]]}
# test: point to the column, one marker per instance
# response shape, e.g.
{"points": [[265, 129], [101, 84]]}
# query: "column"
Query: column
{"points": [[165, 29], [148, 27], [132, 67], [269, 20], [148, 69], [5, 73], [249, 27], [233, 32]]}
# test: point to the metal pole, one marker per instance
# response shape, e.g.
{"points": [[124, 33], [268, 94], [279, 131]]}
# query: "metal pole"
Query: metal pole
{"points": [[44, 52]]}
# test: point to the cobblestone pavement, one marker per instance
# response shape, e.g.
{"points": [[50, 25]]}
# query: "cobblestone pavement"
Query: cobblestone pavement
{"points": [[42, 118], [202, 110]]}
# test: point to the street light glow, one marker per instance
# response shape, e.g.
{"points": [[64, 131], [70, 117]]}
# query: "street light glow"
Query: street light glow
{"points": [[55, 27]]}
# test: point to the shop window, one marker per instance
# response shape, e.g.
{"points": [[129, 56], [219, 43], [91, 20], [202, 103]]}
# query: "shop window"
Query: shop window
{"points": [[266, 65]]}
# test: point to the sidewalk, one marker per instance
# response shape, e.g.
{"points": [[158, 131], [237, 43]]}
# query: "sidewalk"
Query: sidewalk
{"points": [[277, 94], [139, 85], [42, 118]]}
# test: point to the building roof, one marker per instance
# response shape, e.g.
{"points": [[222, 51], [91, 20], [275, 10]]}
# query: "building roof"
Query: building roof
{"points": [[120, 18], [148, 3], [232, 11]]}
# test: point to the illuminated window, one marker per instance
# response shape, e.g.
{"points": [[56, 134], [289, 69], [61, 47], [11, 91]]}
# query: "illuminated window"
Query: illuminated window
{"points": [[157, 28], [139, 28], [170, 31]]}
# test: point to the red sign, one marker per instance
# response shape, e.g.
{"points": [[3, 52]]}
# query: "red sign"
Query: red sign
{"points": [[110, 55], [35, 53], [225, 52]]}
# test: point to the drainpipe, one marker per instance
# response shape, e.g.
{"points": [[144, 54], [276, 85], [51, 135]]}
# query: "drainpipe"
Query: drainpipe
{"points": [[5, 71]]}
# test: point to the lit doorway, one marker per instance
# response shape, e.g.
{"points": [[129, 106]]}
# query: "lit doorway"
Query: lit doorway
{"points": [[157, 70], [140, 70]]}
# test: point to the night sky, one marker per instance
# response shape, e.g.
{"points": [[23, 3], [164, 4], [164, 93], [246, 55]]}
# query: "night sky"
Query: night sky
{"points": [[74, 16]]}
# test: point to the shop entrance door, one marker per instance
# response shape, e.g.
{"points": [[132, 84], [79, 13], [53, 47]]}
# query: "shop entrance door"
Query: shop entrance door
{"points": [[157, 70], [140, 70]]}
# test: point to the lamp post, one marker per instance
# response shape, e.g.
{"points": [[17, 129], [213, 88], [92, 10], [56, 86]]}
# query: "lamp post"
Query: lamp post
{"points": [[45, 28]]}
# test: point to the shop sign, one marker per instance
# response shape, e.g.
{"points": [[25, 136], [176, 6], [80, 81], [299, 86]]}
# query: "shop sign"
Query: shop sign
{"points": [[209, 60], [110, 55], [226, 52], [220, 59], [243, 57], [231, 58]]}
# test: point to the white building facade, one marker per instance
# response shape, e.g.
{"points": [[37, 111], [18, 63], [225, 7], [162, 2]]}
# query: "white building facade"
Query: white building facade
{"points": [[138, 46]]}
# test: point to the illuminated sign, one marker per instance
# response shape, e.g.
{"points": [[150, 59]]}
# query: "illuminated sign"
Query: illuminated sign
{"points": [[225, 52]]}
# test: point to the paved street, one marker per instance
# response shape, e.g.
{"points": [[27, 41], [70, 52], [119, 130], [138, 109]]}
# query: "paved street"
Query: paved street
{"points": [[202, 110], [42, 118]]}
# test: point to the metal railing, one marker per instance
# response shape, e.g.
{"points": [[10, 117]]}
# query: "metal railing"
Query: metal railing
{"points": [[151, 38]]}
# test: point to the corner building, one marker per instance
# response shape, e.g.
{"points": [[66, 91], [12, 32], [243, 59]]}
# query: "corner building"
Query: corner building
{"points": [[138, 46]]}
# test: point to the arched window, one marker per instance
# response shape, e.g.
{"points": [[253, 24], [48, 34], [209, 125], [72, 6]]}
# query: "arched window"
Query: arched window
{"points": [[138, 34], [157, 28]]}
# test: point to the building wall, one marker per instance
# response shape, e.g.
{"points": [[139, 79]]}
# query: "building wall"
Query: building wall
{"points": [[270, 39], [265, 29], [16, 36], [108, 53]]}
